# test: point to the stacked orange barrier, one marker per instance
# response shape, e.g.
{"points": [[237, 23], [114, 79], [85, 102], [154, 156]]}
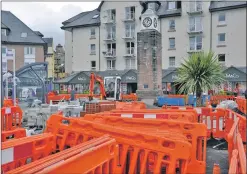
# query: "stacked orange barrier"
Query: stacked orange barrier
{"points": [[242, 104], [195, 133], [130, 105], [9, 102], [236, 152], [13, 134], [18, 152], [216, 99], [143, 148], [11, 118], [78, 159], [129, 97]]}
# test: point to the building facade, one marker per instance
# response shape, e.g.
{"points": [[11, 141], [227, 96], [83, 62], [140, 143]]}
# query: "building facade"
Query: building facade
{"points": [[50, 57], [59, 62], [19, 39]]}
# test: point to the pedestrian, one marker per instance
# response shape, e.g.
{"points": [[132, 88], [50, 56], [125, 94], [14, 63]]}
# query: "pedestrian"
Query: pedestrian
{"points": [[72, 94]]}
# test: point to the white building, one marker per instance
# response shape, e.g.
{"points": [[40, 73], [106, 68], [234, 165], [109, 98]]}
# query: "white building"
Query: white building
{"points": [[105, 38]]}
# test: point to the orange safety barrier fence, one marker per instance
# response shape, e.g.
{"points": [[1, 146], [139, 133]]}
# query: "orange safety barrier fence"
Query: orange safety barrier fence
{"points": [[195, 133], [236, 151], [130, 105], [216, 169], [18, 152], [216, 99], [96, 156], [242, 104], [187, 117], [163, 150], [11, 118], [13, 134], [9, 102], [130, 97]]}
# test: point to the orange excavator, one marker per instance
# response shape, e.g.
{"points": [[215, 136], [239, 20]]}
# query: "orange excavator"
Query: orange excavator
{"points": [[93, 78]]}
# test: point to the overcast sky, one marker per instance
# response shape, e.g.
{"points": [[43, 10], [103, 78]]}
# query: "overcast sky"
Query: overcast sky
{"points": [[47, 17]]}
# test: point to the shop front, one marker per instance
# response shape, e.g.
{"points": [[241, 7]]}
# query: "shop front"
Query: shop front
{"points": [[129, 82], [168, 83]]}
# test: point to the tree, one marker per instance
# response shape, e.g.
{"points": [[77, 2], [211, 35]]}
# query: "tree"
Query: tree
{"points": [[199, 73]]}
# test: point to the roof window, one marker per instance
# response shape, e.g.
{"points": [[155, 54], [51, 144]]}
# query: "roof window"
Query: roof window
{"points": [[95, 16]]}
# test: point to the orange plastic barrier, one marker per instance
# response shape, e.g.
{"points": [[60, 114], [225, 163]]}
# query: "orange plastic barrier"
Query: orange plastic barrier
{"points": [[195, 133], [216, 99], [163, 151], [11, 118], [130, 105], [242, 104], [13, 134], [216, 169], [18, 152], [129, 97], [9, 102], [96, 156]]}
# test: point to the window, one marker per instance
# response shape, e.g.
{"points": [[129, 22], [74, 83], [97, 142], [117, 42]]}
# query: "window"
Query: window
{"points": [[4, 32], [195, 24], [93, 64], [111, 49], [93, 51], [111, 64], [221, 58], [129, 30], [92, 32], [171, 5], [29, 61], [111, 14], [172, 43], [171, 61], [172, 24], [130, 63], [23, 34], [196, 43], [195, 6], [130, 47], [4, 50], [221, 38], [129, 13], [29, 51], [222, 18], [111, 32]]}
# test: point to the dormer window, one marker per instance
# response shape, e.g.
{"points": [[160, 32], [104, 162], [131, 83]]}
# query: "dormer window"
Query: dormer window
{"points": [[4, 32], [171, 5], [23, 34]]}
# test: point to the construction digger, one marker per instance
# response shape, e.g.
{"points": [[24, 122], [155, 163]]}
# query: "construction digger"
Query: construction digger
{"points": [[116, 81]]}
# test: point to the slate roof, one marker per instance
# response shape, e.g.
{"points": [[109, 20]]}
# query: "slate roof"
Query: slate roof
{"points": [[16, 27], [49, 41], [226, 5], [163, 12], [84, 20], [4, 26], [75, 17], [39, 33]]}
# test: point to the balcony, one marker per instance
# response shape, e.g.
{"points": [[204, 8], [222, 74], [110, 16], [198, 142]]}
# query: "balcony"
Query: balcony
{"points": [[195, 28], [129, 35], [130, 52], [110, 53], [109, 20], [110, 37], [194, 8], [195, 48], [129, 17]]}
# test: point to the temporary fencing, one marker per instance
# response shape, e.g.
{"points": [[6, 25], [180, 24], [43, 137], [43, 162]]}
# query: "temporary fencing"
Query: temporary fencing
{"points": [[216, 99], [242, 104], [11, 118], [236, 152], [130, 105], [136, 149], [9, 102], [129, 97], [13, 134], [194, 132], [18, 152], [78, 159]]}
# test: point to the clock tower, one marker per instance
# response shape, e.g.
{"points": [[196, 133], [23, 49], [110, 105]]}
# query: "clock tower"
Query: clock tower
{"points": [[149, 59]]}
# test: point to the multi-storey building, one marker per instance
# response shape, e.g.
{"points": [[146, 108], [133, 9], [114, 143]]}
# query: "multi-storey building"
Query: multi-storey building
{"points": [[18, 38], [105, 38], [49, 57], [59, 62]]}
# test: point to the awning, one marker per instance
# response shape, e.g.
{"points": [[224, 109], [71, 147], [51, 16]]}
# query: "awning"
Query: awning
{"points": [[171, 77], [233, 74], [129, 77], [77, 78]]}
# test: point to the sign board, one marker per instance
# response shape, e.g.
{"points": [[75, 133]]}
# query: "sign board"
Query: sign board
{"points": [[10, 54], [130, 78], [81, 78], [231, 76]]}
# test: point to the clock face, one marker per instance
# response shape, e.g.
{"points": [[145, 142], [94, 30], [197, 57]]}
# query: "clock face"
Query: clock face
{"points": [[155, 22], [147, 22]]}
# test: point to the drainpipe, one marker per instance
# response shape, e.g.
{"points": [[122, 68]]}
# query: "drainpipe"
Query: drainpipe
{"points": [[211, 31], [99, 47]]}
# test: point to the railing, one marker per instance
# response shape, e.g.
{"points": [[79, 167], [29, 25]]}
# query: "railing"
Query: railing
{"points": [[130, 51], [111, 36], [129, 34], [130, 16], [110, 53], [196, 47], [194, 28]]}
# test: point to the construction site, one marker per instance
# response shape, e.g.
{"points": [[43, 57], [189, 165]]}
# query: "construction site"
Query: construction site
{"points": [[146, 132]]}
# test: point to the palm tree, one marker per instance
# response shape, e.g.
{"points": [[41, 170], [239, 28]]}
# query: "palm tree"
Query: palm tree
{"points": [[200, 72]]}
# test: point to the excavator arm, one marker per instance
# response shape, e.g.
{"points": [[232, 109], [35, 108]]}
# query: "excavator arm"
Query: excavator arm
{"points": [[97, 78]]}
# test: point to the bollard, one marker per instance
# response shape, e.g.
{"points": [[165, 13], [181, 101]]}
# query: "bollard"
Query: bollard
{"points": [[216, 169]]}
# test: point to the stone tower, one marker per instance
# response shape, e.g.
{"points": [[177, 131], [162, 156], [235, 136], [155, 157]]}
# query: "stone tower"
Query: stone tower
{"points": [[149, 60]]}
